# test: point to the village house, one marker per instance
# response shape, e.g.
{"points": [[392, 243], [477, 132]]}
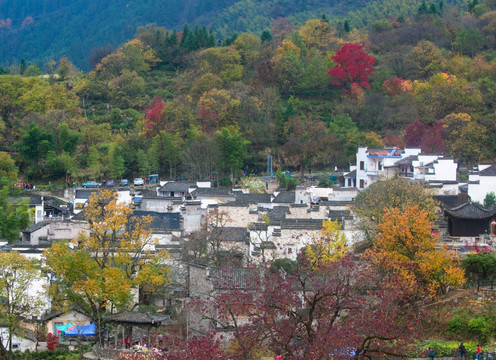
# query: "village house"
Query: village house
{"points": [[23, 340], [481, 182]]}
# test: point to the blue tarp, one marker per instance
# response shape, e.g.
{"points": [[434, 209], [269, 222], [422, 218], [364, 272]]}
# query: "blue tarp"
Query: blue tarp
{"points": [[82, 330]]}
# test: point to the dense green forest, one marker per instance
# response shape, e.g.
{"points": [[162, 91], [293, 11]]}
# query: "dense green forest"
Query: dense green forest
{"points": [[44, 30], [192, 104]]}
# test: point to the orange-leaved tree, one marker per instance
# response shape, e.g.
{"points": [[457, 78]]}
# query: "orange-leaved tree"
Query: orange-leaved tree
{"points": [[407, 250], [106, 266]]}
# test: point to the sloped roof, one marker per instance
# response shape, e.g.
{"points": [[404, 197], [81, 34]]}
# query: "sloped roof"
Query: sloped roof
{"points": [[22, 332], [278, 212], [246, 199], [147, 192], [286, 197], [176, 187], [161, 221], [33, 199], [470, 210], [306, 224], [234, 278], [85, 194], [490, 171], [212, 192], [378, 152], [35, 227], [134, 317], [448, 201], [234, 233], [406, 161], [351, 174], [57, 312]]}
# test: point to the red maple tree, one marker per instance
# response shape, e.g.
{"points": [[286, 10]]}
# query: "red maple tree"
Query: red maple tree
{"points": [[353, 66], [428, 137], [342, 310], [156, 118]]}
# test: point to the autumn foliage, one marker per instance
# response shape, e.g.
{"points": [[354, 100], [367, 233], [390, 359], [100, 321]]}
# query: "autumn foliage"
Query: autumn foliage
{"points": [[328, 247], [430, 138], [103, 267], [343, 307], [406, 250], [353, 66], [156, 118]]}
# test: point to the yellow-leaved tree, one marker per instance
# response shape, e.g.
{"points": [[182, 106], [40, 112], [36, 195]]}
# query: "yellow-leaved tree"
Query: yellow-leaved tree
{"points": [[407, 251], [107, 266], [18, 300], [326, 248]]}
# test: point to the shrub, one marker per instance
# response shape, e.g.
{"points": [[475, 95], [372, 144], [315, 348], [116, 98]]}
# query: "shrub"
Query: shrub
{"points": [[481, 327], [326, 182], [457, 326], [291, 183]]}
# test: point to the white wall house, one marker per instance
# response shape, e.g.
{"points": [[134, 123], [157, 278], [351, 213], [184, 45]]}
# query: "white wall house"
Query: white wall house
{"points": [[373, 164], [22, 341], [482, 182]]}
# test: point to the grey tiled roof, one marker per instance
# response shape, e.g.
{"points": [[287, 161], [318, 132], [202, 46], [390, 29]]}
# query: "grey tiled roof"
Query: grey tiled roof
{"points": [[302, 224], [79, 216], [278, 212], [35, 227], [490, 171], [449, 201], [85, 194], [407, 161], [351, 174], [134, 317], [234, 278], [176, 186], [161, 221], [212, 192], [287, 197], [246, 199], [336, 203], [33, 199], [470, 210], [234, 234]]}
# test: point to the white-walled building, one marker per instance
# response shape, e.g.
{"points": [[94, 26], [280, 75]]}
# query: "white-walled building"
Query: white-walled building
{"points": [[373, 164], [482, 182]]}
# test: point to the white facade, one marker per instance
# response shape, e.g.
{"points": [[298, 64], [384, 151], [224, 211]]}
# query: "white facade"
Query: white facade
{"points": [[19, 343], [372, 164], [482, 182], [434, 168]]}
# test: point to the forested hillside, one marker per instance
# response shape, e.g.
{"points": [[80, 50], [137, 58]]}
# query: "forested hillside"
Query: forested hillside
{"points": [[40, 31], [181, 104]]}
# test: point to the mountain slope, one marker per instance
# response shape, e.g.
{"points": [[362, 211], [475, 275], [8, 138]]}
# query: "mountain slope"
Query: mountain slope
{"points": [[40, 30]]}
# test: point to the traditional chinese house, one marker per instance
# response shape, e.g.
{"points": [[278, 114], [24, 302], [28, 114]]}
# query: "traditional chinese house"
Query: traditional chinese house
{"points": [[469, 219]]}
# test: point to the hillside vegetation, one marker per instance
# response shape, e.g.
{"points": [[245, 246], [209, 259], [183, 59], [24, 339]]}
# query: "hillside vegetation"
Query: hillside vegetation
{"points": [[190, 104], [40, 31]]}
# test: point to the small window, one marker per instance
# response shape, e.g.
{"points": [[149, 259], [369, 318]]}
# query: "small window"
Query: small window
{"points": [[16, 346], [362, 184], [362, 165], [380, 166]]}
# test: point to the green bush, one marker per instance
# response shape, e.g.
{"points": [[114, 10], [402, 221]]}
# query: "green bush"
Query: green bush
{"points": [[457, 326], [291, 183], [225, 182], [326, 182], [481, 327]]}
